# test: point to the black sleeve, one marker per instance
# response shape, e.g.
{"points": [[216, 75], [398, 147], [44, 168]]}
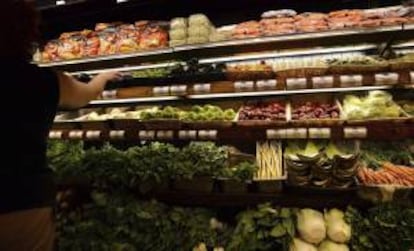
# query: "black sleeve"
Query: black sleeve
{"points": [[50, 87]]}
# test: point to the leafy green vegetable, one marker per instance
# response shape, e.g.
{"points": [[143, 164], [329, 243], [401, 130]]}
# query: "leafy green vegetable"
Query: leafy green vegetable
{"points": [[266, 228], [384, 228]]}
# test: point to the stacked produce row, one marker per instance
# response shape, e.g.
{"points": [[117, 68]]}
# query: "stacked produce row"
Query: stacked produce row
{"points": [[115, 38], [307, 108], [206, 167], [113, 219]]}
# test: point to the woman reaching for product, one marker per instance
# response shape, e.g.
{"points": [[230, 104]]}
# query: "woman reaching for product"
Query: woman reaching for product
{"points": [[32, 97]]}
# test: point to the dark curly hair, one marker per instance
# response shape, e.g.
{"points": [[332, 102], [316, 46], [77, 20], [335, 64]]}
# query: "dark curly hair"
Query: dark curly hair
{"points": [[19, 27]]}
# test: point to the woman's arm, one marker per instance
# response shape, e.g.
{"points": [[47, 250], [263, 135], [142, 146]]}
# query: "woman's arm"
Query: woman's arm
{"points": [[75, 94]]}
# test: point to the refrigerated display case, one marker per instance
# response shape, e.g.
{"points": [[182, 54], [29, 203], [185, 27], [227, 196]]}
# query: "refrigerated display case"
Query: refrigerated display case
{"points": [[300, 110]]}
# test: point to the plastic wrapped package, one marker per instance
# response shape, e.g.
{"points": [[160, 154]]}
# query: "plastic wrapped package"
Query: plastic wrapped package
{"points": [[71, 45], [199, 31], [50, 52], [217, 36], [197, 40], [108, 41], [153, 37], [174, 43], [178, 34], [92, 45], [127, 40], [198, 19], [178, 23], [279, 13]]}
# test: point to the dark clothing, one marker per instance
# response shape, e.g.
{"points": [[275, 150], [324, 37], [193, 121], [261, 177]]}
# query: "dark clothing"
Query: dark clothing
{"points": [[32, 96]]}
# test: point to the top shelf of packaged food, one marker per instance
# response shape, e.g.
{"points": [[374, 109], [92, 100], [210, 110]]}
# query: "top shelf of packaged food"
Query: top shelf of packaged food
{"points": [[232, 47]]}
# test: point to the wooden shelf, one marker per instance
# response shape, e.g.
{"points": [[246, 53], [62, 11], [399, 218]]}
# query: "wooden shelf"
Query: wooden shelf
{"points": [[135, 130], [231, 47]]}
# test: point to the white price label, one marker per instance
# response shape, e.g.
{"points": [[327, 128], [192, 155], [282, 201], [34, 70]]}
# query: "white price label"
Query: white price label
{"points": [[185, 135], [351, 80], [323, 82], [165, 135], [296, 83], [266, 84], [244, 86], [207, 134], [161, 90], [386, 78], [202, 88], [319, 133], [110, 94], [55, 134], [93, 134], [77, 134], [276, 134], [178, 89], [117, 134], [296, 133], [60, 2], [355, 132], [147, 135]]}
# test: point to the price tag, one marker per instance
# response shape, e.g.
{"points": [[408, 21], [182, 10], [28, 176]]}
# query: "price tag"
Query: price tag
{"points": [[212, 134], [351, 80], [266, 84], [276, 134], [60, 2], [93, 134], [244, 86], [202, 88], [55, 134], [319, 133], [355, 132], [207, 134], [117, 134], [187, 135], [296, 83], [323, 82], [77, 134], [296, 133], [110, 94], [178, 89], [165, 135], [412, 77], [147, 135], [161, 90], [386, 78]]}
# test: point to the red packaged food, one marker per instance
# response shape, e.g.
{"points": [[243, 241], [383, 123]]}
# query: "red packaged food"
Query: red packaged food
{"points": [[107, 41], [153, 37], [343, 22], [394, 20], [247, 29], [50, 52], [345, 13], [127, 40], [273, 21], [92, 45], [71, 46], [311, 16]]}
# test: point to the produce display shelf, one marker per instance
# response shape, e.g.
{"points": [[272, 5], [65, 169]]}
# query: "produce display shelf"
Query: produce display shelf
{"points": [[305, 40], [387, 129], [200, 98]]}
